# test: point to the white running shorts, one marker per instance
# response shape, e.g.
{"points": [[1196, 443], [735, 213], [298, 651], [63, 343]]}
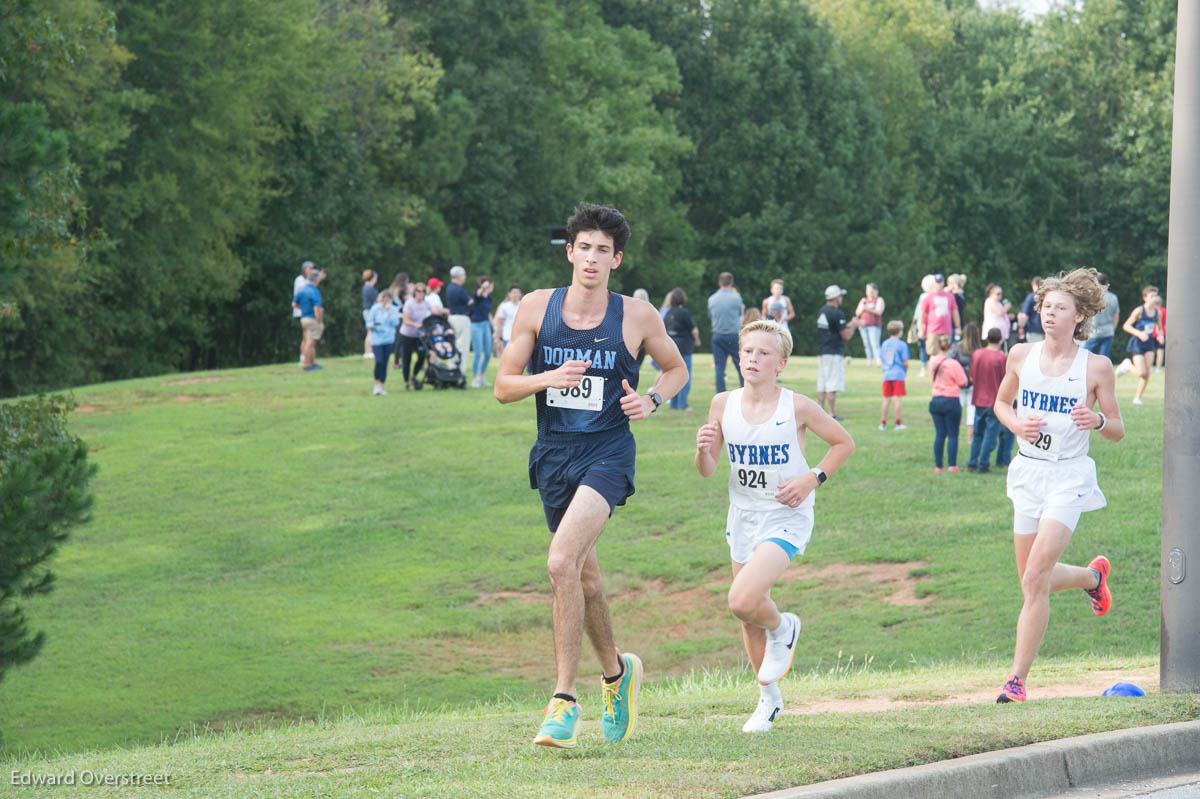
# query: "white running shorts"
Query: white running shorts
{"points": [[746, 529], [1059, 490], [831, 373]]}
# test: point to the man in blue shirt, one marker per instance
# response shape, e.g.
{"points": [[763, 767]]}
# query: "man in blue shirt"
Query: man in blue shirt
{"points": [[1104, 324], [312, 322], [458, 303], [725, 309], [1029, 321]]}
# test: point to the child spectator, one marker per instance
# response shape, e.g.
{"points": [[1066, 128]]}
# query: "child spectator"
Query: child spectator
{"points": [[382, 321], [893, 354]]}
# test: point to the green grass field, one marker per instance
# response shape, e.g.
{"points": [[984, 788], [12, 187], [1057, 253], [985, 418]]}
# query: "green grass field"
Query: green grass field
{"points": [[270, 545]]}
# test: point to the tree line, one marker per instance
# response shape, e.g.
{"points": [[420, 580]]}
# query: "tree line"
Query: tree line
{"points": [[166, 167]]}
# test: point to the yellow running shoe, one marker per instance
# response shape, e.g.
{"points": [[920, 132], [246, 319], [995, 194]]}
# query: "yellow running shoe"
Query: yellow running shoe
{"points": [[560, 729], [620, 700]]}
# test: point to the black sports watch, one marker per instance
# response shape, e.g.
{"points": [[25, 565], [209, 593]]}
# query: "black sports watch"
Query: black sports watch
{"points": [[821, 476], [656, 399]]}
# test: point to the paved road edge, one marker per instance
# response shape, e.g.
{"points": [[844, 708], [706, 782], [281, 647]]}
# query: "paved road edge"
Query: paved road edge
{"points": [[1037, 770]]}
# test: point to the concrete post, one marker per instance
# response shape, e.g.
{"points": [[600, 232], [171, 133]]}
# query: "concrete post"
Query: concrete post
{"points": [[1179, 664]]}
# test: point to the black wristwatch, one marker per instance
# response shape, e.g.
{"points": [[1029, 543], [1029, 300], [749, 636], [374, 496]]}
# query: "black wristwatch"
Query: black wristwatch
{"points": [[656, 399], [821, 476]]}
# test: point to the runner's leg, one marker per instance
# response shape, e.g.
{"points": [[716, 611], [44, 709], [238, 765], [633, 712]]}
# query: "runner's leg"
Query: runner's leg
{"points": [[597, 620], [750, 597], [569, 551], [1041, 574]]}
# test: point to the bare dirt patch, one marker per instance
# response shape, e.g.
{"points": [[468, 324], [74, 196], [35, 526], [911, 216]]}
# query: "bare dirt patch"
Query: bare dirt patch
{"points": [[896, 576], [1093, 685]]}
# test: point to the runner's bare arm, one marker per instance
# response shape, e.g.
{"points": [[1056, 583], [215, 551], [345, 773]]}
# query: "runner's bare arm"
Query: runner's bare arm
{"points": [[1133, 331], [709, 438], [512, 384], [662, 349], [1027, 427], [1102, 384], [841, 446]]}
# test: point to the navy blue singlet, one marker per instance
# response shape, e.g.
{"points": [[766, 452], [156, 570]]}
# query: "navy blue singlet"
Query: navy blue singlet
{"points": [[604, 346]]}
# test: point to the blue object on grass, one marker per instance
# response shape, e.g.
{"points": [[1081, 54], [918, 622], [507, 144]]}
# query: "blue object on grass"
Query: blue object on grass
{"points": [[1123, 689]]}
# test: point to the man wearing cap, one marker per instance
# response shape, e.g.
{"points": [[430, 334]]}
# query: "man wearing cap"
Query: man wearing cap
{"points": [[725, 309], [458, 302], [833, 331], [938, 315], [433, 298], [309, 275]]}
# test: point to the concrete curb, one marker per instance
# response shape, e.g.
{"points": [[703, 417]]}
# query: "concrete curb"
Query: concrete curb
{"points": [[1038, 770]]}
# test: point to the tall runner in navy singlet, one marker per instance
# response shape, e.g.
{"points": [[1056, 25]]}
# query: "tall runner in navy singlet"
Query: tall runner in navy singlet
{"points": [[1055, 383], [580, 343], [761, 427]]}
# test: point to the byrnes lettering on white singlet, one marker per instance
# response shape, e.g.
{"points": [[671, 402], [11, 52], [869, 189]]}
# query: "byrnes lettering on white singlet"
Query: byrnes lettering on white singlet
{"points": [[1052, 398]]}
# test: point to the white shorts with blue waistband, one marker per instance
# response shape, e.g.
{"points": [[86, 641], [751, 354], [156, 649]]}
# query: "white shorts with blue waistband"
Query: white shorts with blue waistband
{"points": [[746, 529]]}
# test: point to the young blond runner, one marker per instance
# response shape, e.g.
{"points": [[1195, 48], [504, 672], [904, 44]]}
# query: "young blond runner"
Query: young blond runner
{"points": [[1055, 383], [761, 427]]}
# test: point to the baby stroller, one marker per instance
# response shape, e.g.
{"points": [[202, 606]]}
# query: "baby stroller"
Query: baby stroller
{"points": [[443, 360]]}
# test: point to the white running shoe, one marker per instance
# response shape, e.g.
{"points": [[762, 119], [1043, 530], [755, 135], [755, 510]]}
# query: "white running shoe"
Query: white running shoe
{"points": [[1137, 400], [1123, 367], [901, 427], [780, 650], [883, 427], [370, 355], [764, 715]]}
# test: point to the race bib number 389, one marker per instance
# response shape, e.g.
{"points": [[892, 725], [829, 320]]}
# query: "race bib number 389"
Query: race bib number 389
{"points": [[587, 396]]}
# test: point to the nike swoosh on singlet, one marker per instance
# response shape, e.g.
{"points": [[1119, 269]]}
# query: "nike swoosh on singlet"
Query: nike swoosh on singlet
{"points": [[598, 340], [779, 423], [1072, 379]]}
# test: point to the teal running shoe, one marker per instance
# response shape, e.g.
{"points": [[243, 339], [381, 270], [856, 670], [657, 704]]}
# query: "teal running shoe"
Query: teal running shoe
{"points": [[560, 729], [620, 701]]}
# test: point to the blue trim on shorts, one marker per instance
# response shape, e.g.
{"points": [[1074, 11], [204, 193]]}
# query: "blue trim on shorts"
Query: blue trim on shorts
{"points": [[788, 547]]}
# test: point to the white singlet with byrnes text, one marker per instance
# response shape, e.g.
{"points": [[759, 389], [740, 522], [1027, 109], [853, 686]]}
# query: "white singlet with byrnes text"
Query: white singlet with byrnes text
{"points": [[587, 396], [762, 456], [1052, 398]]}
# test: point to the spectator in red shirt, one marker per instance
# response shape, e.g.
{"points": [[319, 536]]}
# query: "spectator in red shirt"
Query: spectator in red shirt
{"points": [[987, 370], [938, 315]]}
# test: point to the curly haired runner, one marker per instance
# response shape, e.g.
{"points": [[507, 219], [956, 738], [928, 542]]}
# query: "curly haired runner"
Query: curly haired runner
{"points": [[1056, 383]]}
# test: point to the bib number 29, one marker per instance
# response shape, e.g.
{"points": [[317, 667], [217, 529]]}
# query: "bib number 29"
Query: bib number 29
{"points": [[1043, 442], [587, 396]]}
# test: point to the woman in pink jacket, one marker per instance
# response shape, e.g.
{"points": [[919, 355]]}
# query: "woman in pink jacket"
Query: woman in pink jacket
{"points": [[944, 406]]}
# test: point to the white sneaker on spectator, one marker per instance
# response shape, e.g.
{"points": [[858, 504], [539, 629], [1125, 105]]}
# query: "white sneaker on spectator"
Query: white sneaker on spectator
{"points": [[780, 649]]}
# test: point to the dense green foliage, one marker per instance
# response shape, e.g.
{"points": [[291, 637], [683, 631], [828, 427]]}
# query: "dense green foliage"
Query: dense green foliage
{"points": [[44, 476], [164, 169]]}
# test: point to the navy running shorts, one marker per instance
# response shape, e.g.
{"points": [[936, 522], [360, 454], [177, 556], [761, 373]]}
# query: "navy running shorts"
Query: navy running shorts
{"points": [[602, 461]]}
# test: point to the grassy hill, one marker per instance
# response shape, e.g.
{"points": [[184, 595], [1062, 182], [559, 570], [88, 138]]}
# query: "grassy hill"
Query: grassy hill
{"points": [[270, 545]]}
